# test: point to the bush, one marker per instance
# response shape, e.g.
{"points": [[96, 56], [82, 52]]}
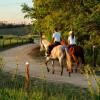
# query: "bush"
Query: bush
{"points": [[31, 40], [1, 37]]}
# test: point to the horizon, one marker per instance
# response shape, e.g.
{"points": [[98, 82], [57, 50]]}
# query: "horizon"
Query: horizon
{"points": [[11, 11]]}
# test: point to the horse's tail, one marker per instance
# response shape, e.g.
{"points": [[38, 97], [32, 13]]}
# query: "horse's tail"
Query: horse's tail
{"points": [[68, 61]]}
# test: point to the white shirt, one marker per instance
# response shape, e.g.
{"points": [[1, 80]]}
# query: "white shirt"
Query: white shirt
{"points": [[57, 36], [71, 40]]}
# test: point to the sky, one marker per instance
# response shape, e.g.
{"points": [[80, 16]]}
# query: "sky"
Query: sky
{"points": [[10, 11]]}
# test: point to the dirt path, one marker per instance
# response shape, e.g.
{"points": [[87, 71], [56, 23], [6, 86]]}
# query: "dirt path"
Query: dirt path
{"points": [[20, 55]]}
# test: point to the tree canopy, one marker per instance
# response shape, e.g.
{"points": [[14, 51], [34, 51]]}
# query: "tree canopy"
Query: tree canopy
{"points": [[81, 16]]}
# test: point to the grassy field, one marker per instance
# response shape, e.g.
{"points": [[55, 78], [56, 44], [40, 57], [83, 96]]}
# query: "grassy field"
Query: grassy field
{"points": [[13, 88], [10, 40]]}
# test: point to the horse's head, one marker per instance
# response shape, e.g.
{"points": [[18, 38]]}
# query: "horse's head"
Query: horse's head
{"points": [[44, 45], [41, 46]]}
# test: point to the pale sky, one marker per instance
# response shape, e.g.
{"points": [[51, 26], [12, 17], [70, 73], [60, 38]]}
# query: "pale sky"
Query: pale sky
{"points": [[10, 10]]}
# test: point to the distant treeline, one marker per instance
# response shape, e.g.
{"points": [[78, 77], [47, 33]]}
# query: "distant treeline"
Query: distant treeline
{"points": [[4, 25], [18, 30]]}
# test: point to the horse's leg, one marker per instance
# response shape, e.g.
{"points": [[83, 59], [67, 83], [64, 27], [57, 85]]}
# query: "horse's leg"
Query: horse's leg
{"points": [[53, 67], [76, 61], [47, 60], [72, 53]]}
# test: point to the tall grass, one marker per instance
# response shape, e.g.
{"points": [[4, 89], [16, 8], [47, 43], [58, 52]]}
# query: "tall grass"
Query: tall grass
{"points": [[2, 63], [40, 89], [91, 75]]}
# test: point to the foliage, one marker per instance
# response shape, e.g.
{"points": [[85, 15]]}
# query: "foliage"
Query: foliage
{"points": [[81, 16], [90, 75], [39, 90]]}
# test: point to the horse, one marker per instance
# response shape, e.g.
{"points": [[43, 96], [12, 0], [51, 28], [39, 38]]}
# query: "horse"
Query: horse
{"points": [[58, 52], [76, 53]]}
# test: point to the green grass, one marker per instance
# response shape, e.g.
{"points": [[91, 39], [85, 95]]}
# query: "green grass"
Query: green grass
{"points": [[7, 42], [12, 88], [12, 41]]}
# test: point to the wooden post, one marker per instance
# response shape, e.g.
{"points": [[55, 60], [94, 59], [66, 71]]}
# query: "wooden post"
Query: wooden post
{"points": [[17, 41], [3, 43], [22, 41], [27, 76], [10, 41]]}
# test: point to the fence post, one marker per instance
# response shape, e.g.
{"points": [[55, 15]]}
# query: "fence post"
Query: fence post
{"points": [[10, 41], [17, 41], [27, 76], [3, 43], [22, 41]]}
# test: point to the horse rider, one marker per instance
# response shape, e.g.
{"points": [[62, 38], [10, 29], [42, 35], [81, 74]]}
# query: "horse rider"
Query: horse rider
{"points": [[71, 39], [56, 39]]}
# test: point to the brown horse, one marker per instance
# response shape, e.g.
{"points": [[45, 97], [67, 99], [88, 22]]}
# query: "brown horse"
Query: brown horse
{"points": [[76, 53]]}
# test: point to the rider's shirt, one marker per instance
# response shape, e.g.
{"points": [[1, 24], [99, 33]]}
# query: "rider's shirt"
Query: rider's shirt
{"points": [[72, 41], [57, 36]]}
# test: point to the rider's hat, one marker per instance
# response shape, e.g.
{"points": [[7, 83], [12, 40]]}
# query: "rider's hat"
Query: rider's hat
{"points": [[70, 32]]}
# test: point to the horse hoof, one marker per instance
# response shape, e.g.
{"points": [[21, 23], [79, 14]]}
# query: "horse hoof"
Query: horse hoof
{"points": [[72, 70], [48, 70], [61, 74], [46, 63], [53, 72], [75, 70], [69, 74]]}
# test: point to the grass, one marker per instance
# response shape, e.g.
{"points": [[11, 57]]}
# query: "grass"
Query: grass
{"points": [[13, 88], [12, 41], [90, 75], [8, 42]]}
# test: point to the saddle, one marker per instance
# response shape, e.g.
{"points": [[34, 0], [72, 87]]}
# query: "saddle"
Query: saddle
{"points": [[50, 48]]}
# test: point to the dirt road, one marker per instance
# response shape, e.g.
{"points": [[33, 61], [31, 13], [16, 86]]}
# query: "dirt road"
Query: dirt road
{"points": [[21, 54]]}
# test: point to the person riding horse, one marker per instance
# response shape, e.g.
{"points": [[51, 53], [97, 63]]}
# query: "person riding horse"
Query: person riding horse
{"points": [[75, 50], [59, 52], [56, 39], [71, 39]]}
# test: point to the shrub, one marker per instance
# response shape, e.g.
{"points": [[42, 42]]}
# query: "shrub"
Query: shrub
{"points": [[1, 37]]}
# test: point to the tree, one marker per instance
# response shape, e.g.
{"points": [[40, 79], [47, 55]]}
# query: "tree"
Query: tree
{"points": [[82, 16]]}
